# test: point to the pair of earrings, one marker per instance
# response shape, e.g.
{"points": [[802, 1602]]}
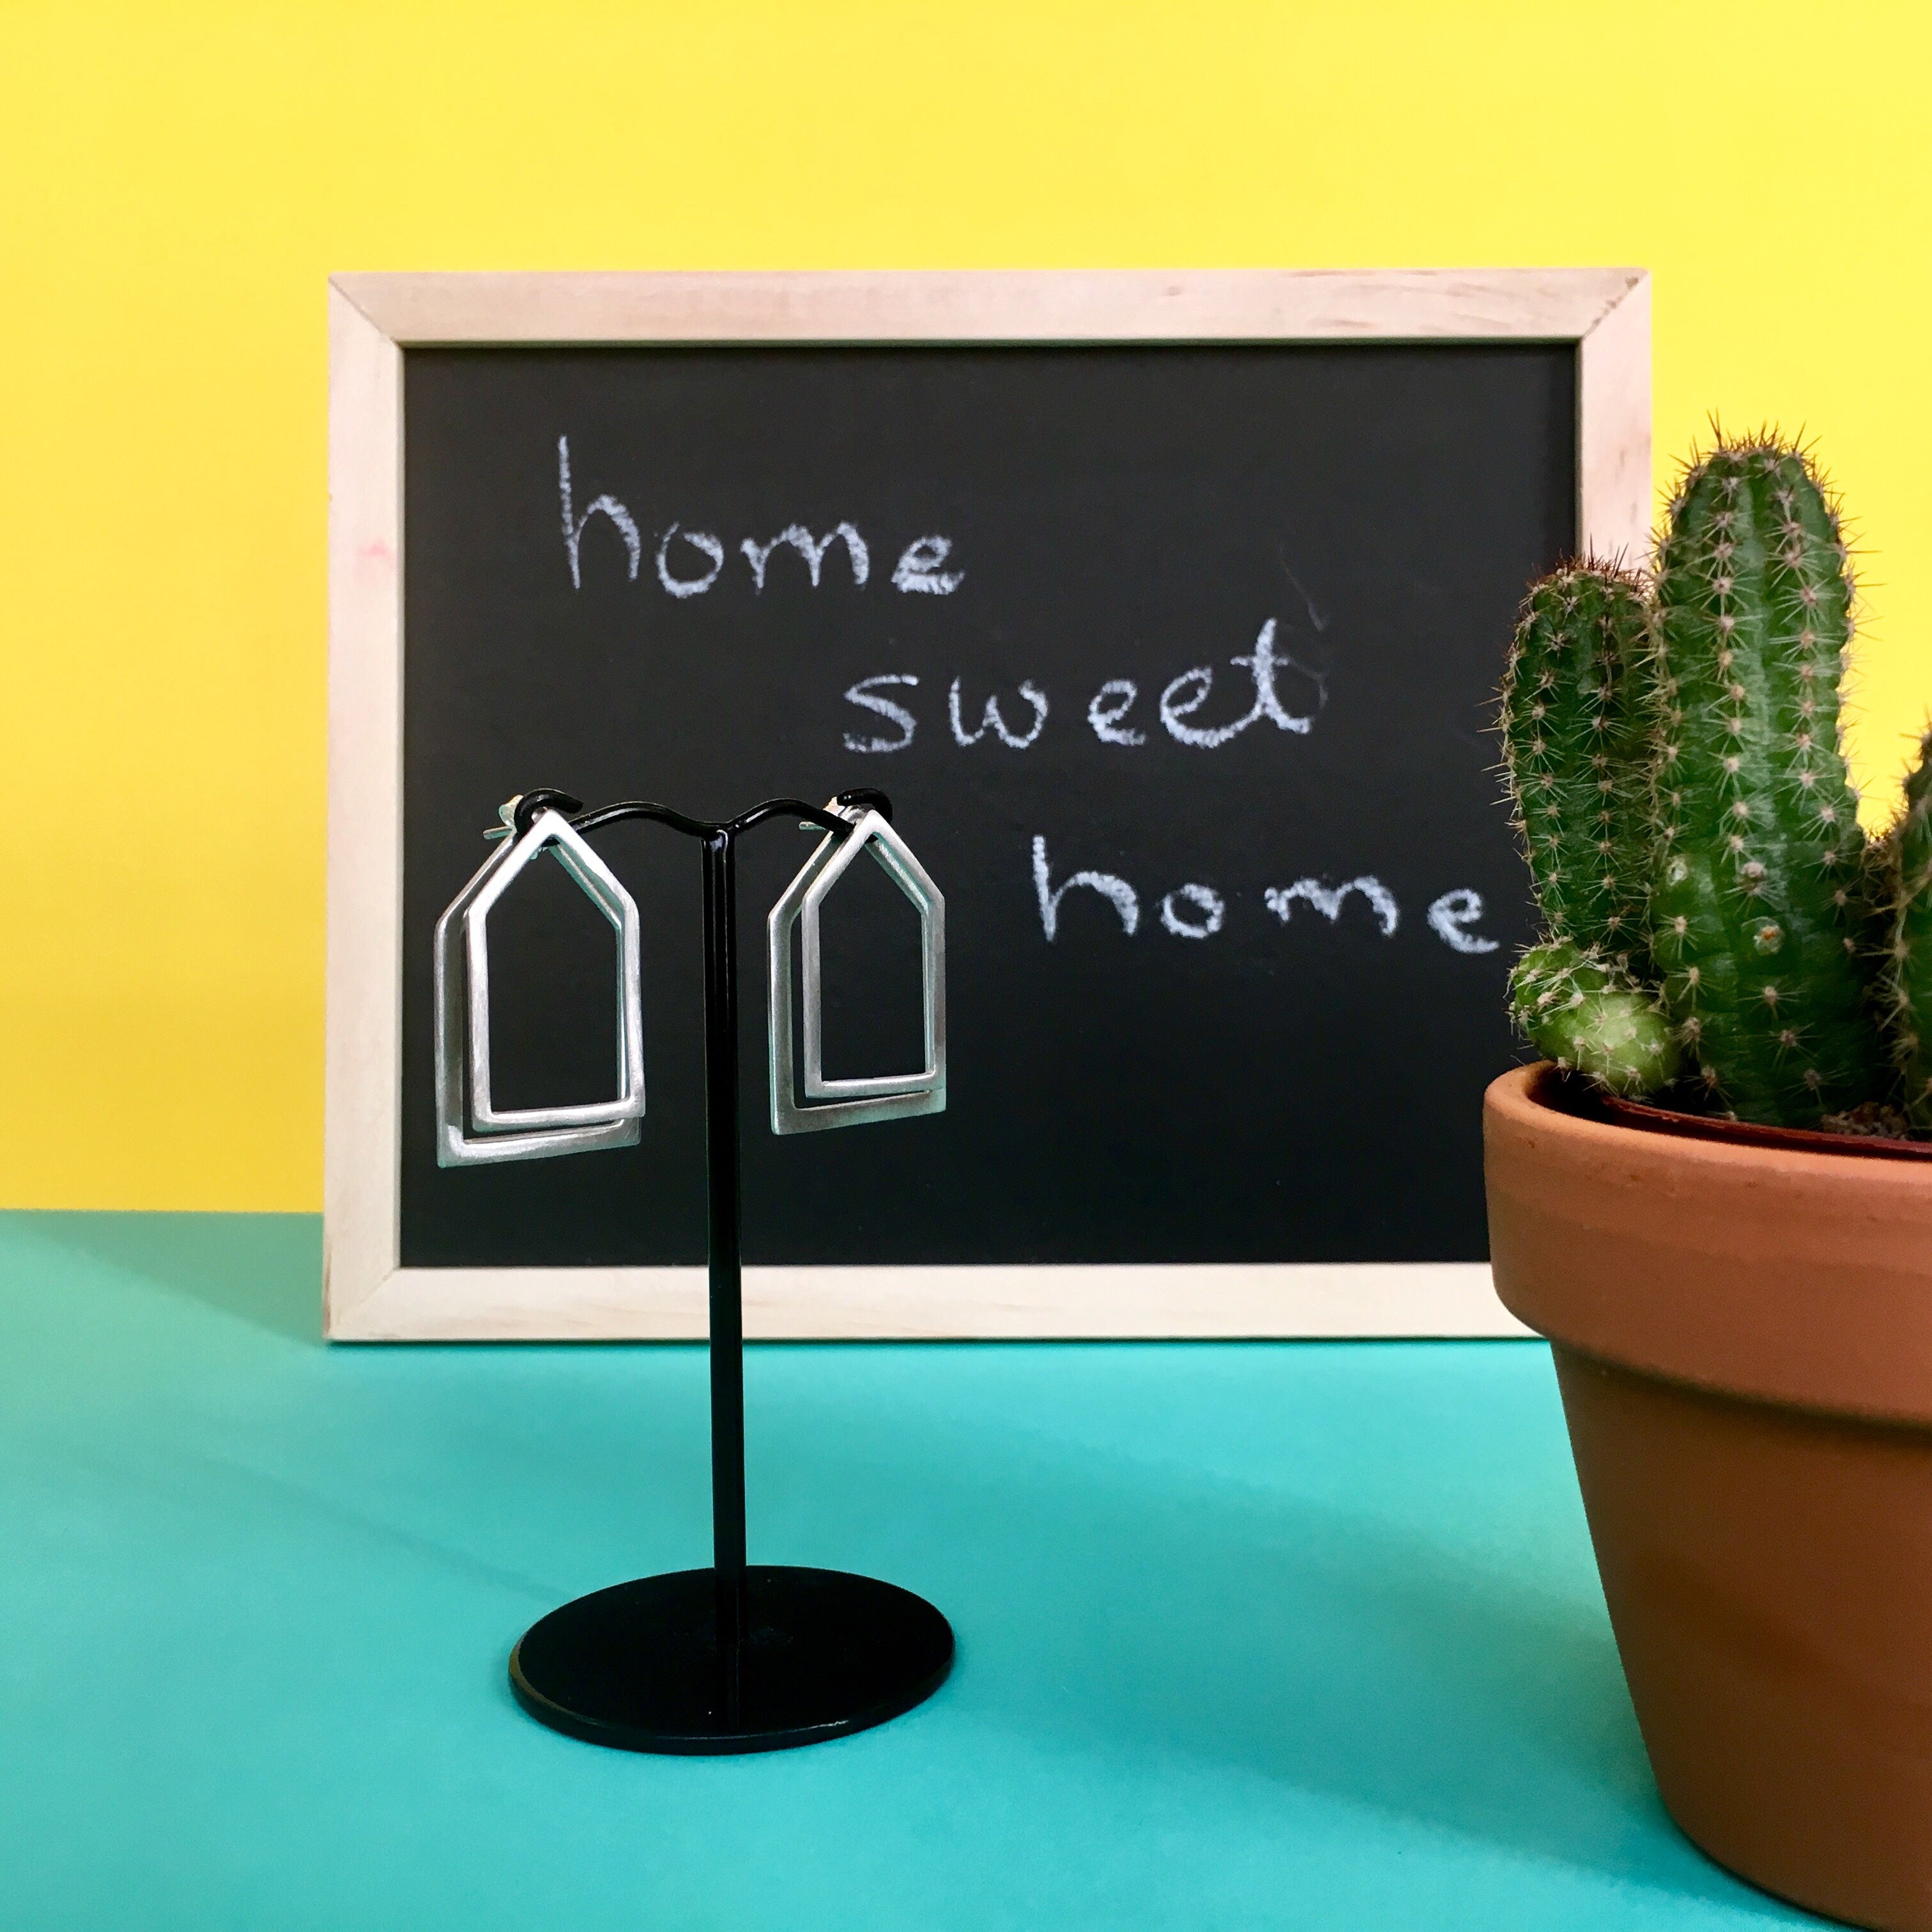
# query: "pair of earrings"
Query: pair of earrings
{"points": [[472, 1131]]}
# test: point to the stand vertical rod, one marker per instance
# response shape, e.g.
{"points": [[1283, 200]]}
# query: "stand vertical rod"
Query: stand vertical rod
{"points": [[727, 1319]]}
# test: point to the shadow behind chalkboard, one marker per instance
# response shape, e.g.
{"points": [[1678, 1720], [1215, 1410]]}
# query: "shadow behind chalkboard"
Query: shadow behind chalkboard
{"points": [[1296, 1090]]}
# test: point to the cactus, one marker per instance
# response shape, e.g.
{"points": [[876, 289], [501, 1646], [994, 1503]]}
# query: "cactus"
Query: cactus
{"points": [[1757, 925], [1575, 723], [1587, 1014], [1908, 982], [1674, 761]]}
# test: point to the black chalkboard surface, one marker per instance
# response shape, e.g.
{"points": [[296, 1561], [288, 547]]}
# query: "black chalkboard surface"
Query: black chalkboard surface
{"points": [[1177, 662]]}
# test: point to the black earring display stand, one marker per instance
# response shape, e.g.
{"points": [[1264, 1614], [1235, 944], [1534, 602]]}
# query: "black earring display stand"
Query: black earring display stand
{"points": [[741, 1657]]}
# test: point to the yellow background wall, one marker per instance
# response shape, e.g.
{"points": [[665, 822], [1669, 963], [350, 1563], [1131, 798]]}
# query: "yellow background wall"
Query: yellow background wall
{"points": [[173, 192]]}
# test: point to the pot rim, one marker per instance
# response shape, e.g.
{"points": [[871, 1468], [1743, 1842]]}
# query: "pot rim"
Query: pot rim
{"points": [[1538, 1085], [1794, 1276], [1647, 1116]]}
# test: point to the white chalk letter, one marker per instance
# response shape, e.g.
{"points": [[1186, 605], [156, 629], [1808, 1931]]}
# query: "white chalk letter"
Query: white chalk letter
{"points": [[1328, 901], [1268, 704], [1173, 710], [918, 568], [1210, 905], [812, 549], [1263, 665], [690, 586], [862, 694], [1112, 703], [991, 716], [1453, 914], [1123, 899], [573, 524]]}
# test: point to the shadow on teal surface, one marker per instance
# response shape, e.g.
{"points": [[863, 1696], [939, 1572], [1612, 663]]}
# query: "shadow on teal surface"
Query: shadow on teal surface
{"points": [[265, 1268], [1279, 1638], [1251, 1636]]}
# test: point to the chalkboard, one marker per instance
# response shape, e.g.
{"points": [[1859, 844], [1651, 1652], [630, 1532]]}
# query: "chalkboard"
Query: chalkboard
{"points": [[1169, 612], [1178, 663]]}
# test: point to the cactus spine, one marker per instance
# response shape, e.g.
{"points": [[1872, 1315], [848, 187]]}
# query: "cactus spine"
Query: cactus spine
{"points": [[1757, 924], [1575, 722], [1908, 970]]}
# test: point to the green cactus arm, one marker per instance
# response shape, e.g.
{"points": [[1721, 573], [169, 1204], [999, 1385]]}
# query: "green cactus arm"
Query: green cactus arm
{"points": [[1630, 744], [1758, 927], [1908, 979], [1575, 723], [1588, 1015]]}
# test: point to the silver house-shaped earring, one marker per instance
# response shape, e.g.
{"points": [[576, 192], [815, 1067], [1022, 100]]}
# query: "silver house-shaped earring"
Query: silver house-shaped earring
{"points": [[804, 1100], [471, 1129]]}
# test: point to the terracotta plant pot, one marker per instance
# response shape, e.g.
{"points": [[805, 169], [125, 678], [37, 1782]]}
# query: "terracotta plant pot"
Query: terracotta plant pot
{"points": [[1743, 1336]]}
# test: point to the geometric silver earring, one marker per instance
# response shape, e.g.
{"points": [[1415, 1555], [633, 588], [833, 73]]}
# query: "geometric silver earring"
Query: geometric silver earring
{"points": [[471, 1129], [796, 1064]]}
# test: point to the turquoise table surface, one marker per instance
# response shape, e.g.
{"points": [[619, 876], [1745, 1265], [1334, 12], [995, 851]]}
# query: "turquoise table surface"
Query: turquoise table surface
{"points": [[1264, 1635]]}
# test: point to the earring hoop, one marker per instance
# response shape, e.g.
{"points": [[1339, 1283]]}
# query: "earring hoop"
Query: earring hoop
{"points": [[471, 1131], [850, 1102]]}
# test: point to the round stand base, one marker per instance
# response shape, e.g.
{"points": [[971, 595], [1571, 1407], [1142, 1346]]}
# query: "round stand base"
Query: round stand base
{"points": [[636, 1666]]}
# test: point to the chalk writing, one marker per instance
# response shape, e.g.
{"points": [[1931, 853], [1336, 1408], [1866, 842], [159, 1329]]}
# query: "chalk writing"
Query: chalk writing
{"points": [[812, 549], [1452, 915], [990, 718], [1209, 904], [1280, 900], [1265, 666], [574, 525], [864, 693], [1197, 911], [1276, 690], [1109, 706], [690, 586], [1121, 895], [1108, 709], [918, 568]]}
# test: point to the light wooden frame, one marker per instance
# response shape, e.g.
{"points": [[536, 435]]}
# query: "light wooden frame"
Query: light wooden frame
{"points": [[368, 1295]]}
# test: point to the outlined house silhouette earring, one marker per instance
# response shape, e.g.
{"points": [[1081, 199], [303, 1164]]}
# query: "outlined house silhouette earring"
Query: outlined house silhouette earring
{"points": [[472, 1131], [803, 1099]]}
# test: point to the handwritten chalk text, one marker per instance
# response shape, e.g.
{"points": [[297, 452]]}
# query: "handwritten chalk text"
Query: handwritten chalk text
{"points": [[1017, 723], [690, 561], [1197, 911]]}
